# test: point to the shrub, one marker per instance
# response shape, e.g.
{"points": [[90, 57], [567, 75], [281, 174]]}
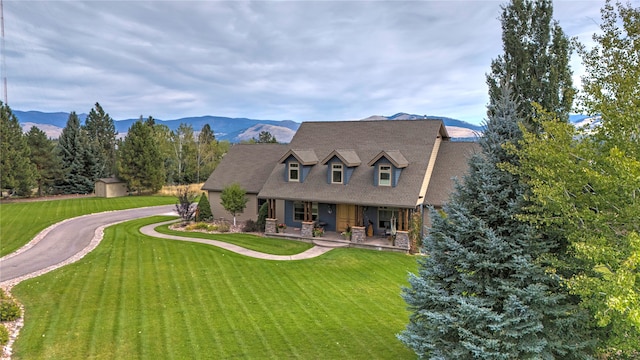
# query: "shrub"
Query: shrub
{"points": [[223, 227], [9, 310], [199, 226], [184, 206], [251, 226], [4, 335], [204, 209], [262, 216]]}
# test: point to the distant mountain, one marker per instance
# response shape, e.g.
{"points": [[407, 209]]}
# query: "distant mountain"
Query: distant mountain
{"points": [[458, 130], [232, 129]]}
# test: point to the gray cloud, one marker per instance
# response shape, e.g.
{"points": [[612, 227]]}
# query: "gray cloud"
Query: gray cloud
{"points": [[299, 60]]}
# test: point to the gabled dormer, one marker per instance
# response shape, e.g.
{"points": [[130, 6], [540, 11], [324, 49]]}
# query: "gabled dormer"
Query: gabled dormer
{"points": [[298, 164], [388, 165], [341, 164]]}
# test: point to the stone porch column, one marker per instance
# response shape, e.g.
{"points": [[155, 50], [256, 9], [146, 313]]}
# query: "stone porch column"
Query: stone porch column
{"points": [[402, 240], [358, 234], [270, 226], [307, 229]]}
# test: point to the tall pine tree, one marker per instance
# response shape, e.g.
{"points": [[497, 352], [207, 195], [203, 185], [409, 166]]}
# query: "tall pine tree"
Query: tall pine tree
{"points": [[101, 132], [482, 291], [139, 161], [17, 173], [44, 158], [535, 63], [77, 155]]}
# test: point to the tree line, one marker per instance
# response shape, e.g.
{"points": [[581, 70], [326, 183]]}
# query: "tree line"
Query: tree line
{"points": [[537, 253], [148, 157]]}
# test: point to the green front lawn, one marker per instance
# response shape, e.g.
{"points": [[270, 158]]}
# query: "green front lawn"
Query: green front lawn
{"points": [[20, 222], [249, 241], [136, 297]]}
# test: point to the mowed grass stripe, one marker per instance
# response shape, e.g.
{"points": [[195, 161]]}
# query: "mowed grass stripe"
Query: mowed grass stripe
{"points": [[20, 222], [289, 305]]}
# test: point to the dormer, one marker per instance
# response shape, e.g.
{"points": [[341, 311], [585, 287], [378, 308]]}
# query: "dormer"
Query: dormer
{"points": [[298, 164], [341, 164], [388, 165]]}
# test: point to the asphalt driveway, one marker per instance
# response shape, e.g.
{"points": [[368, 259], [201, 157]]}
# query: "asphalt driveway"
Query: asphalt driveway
{"points": [[68, 239]]}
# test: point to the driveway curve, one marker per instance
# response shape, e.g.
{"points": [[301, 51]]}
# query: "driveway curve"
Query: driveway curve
{"points": [[62, 242]]}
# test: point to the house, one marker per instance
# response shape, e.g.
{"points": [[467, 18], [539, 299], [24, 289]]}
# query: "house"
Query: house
{"points": [[110, 187], [249, 165], [351, 174]]}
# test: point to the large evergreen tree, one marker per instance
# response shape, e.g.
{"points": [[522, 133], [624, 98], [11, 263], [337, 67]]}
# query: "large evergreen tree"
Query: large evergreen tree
{"points": [[17, 173], [140, 163], [535, 63], [101, 132], [79, 166], [482, 291], [44, 158]]}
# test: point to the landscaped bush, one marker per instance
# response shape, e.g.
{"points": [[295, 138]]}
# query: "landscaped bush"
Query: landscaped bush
{"points": [[223, 227], [204, 209], [9, 310], [200, 226], [4, 335], [251, 226]]}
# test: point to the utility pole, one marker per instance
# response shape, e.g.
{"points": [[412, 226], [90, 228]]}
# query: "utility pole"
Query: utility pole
{"points": [[4, 63]]}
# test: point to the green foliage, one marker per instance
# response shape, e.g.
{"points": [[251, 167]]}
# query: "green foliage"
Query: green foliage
{"points": [[535, 63], [265, 137], [17, 173], [9, 310], [184, 154], [43, 156], [204, 209], [101, 132], [233, 199], [79, 163], [4, 335], [262, 216], [483, 291], [585, 182], [207, 154], [140, 163], [415, 230]]}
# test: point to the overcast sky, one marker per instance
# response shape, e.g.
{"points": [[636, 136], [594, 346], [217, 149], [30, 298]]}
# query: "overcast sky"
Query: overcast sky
{"points": [[295, 60]]}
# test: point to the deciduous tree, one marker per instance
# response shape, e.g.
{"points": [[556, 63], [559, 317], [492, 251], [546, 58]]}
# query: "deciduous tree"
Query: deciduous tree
{"points": [[233, 199], [535, 63]]}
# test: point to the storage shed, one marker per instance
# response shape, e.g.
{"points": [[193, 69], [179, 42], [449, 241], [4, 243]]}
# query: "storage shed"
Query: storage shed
{"points": [[111, 187]]}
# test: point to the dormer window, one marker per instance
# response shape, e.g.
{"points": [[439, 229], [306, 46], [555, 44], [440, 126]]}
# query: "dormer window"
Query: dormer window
{"points": [[294, 172], [336, 173], [384, 175]]}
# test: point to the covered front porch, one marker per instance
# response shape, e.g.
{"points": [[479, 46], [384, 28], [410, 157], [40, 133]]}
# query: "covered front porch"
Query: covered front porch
{"points": [[338, 239], [377, 227]]}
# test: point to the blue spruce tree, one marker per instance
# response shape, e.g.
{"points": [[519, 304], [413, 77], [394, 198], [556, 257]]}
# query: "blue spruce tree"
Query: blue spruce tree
{"points": [[483, 292]]}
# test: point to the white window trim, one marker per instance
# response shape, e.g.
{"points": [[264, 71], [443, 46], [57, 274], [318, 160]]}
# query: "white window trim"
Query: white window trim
{"points": [[337, 168], [386, 171], [297, 169]]}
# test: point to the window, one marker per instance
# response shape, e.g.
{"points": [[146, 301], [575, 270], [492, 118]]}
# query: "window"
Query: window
{"points": [[298, 211], [384, 175], [384, 217], [336, 174], [294, 171]]}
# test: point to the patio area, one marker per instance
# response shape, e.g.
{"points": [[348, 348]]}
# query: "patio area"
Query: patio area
{"points": [[336, 239]]}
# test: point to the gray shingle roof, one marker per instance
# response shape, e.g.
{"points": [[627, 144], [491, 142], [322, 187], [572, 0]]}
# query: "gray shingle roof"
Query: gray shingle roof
{"points": [[348, 157], [452, 162], [304, 157], [395, 156], [247, 164], [414, 139]]}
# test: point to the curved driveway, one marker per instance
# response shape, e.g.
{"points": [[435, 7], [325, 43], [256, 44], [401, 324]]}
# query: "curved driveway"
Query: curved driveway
{"points": [[62, 241]]}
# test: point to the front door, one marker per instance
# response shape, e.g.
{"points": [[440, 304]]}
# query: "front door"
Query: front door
{"points": [[345, 216]]}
